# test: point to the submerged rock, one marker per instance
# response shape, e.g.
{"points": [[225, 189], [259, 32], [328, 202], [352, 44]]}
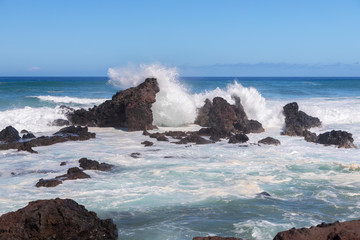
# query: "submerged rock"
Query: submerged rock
{"points": [[73, 174], [147, 143], [193, 138], [88, 164], [297, 122], [48, 182], [130, 108], [349, 230], [269, 141], [55, 219], [9, 134], [135, 155]]}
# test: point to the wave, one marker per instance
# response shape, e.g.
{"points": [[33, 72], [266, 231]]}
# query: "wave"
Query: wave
{"points": [[31, 119], [74, 100]]}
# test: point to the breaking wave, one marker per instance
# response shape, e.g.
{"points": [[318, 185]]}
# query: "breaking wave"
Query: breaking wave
{"points": [[73, 100]]}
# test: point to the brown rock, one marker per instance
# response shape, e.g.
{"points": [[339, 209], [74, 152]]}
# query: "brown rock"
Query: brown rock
{"points": [[55, 219], [88, 164], [193, 138], [9, 134], [269, 141], [48, 183], [147, 143], [73, 174]]}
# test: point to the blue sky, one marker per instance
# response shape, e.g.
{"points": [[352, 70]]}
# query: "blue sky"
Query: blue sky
{"points": [[244, 38]]}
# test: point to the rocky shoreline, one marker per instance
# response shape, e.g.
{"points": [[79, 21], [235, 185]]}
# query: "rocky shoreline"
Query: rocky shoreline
{"points": [[131, 109]]}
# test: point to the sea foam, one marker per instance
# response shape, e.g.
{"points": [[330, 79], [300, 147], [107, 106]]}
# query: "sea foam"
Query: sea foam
{"points": [[73, 100]]}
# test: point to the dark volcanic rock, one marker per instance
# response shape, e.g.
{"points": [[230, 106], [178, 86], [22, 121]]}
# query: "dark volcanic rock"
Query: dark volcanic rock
{"points": [[73, 174], [28, 136], [335, 231], [9, 134], [176, 134], [25, 146], [238, 138], [193, 138], [135, 155], [129, 108], [224, 118], [88, 164], [216, 238], [159, 136], [79, 132], [48, 183], [55, 219], [340, 138], [310, 137], [60, 122], [62, 163], [147, 143], [269, 141], [297, 122]]}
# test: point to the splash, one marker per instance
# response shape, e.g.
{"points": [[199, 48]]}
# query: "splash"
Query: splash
{"points": [[74, 100]]}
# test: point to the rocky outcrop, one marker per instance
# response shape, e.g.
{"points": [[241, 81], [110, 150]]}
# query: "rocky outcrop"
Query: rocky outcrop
{"points": [[9, 134], [335, 231], [339, 138], [225, 119], [269, 141], [60, 122], [88, 164], [297, 122], [48, 182], [216, 238], [238, 138], [193, 138], [55, 219], [130, 108], [71, 133], [73, 174]]}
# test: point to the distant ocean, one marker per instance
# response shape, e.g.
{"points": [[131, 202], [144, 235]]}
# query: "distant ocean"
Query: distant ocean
{"points": [[178, 192]]}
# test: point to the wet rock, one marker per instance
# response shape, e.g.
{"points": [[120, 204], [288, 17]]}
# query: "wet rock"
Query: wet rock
{"points": [[193, 138], [297, 122], [62, 163], [88, 164], [73, 174], [213, 133], [147, 143], [24, 131], [339, 138], [130, 108], [48, 183], [28, 136], [269, 141], [60, 122], [310, 137], [9, 134], [349, 230], [146, 133], [135, 155], [263, 194], [55, 219], [25, 146], [216, 238], [202, 118], [80, 133], [159, 136], [176, 134], [238, 138]]}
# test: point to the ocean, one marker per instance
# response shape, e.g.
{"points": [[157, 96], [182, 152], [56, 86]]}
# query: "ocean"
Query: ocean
{"points": [[179, 192]]}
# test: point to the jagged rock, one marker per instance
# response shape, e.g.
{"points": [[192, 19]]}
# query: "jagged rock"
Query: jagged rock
{"points": [[25, 146], [297, 122], [238, 138], [340, 138], [213, 133], [55, 219], [146, 133], [48, 183], [202, 118], [159, 136], [9, 134], [28, 136], [193, 138], [73, 174], [147, 143], [216, 238], [88, 164], [135, 155], [81, 132], [349, 230], [60, 122], [310, 136], [129, 108], [24, 131], [269, 141]]}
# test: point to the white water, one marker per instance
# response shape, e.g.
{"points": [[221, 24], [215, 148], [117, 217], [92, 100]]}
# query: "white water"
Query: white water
{"points": [[73, 100]]}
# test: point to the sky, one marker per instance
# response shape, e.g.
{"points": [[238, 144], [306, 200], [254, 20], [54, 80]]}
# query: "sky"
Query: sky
{"points": [[199, 37]]}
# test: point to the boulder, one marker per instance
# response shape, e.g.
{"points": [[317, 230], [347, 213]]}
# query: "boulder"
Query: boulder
{"points": [[130, 108], [349, 230], [269, 141], [88, 164], [297, 122], [9, 134], [238, 138], [28, 136], [79, 132], [60, 122], [339, 138], [73, 174], [193, 138], [55, 219], [48, 183]]}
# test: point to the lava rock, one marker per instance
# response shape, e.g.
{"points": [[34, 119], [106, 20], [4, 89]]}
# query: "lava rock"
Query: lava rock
{"points": [[55, 219], [269, 141], [297, 122], [9, 134], [73, 174], [176, 134], [130, 108], [60, 122], [349, 230], [28, 136], [202, 118], [135, 155], [147, 143], [193, 138], [81, 133], [25, 146], [48, 183], [238, 138], [88, 164], [62, 163], [340, 138]]}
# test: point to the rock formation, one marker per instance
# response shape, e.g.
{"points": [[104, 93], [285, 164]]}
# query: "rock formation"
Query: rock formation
{"points": [[9, 134], [88, 164], [130, 108], [269, 141], [55, 219]]}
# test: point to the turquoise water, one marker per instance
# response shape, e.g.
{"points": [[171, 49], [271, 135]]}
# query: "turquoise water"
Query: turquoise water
{"points": [[178, 192]]}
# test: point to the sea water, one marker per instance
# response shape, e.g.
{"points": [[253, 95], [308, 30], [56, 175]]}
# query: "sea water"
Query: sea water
{"points": [[182, 191]]}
